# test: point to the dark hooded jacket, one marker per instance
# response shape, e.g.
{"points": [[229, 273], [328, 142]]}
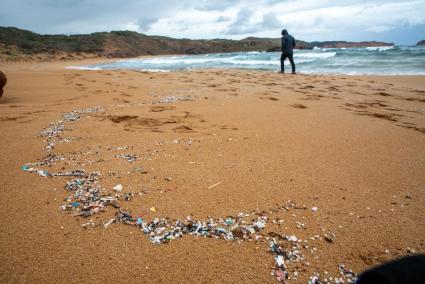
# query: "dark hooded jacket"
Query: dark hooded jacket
{"points": [[288, 42]]}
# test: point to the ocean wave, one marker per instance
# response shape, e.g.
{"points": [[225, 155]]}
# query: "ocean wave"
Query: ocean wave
{"points": [[315, 55], [154, 70], [252, 62], [196, 61], [178, 60], [361, 73], [355, 61], [92, 68], [329, 48], [379, 48]]}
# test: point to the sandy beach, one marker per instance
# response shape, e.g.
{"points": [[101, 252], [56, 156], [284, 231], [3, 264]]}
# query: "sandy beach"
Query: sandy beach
{"points": [[345, 155]]}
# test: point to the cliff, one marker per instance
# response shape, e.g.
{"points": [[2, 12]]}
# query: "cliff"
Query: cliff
{"points": [[17, 44], [422, 42]]}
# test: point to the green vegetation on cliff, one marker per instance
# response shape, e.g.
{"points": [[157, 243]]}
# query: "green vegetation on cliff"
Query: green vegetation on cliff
{"points": [[15, 43]]}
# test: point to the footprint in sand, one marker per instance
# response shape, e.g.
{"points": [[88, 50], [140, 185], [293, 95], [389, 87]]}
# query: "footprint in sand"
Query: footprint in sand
{"points": [[308, 87], [35, 112], [161, 108], [272, 98], [183, 129], [268, 98], [300, 106], [414, 127], [390, 116], [420, 100], [123, 94], [121, 118], [383, 94], [313, 97], [11, 118], [334, 89]]}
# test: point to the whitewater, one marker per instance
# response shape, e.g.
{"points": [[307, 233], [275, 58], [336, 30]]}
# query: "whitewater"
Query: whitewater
{"points": [[392, 60]]}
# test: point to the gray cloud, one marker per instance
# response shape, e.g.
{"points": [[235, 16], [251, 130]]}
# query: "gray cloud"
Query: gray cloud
{"points": [[208, 5], [270, 21], [244, 24], [83, 16], [222, 19], [146, 22], [309, 20]]}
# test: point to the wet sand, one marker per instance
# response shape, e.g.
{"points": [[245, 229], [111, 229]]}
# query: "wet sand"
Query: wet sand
{"points": [[234, 141]]}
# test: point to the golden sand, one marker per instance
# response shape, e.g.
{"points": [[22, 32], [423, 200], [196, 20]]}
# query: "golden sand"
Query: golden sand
{"points": [[352, 146]]}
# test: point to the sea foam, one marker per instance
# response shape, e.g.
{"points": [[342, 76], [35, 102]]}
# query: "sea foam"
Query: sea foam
{"points": [[386, 60]]}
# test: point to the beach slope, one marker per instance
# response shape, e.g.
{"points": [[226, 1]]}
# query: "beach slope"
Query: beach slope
{"points": [[335, 161]]}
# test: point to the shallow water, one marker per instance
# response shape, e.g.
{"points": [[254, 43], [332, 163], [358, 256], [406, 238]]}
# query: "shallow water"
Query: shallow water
{"points": [[396, 60]]}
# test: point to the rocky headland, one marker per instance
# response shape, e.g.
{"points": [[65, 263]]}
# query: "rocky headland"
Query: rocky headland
{"points": [[22, 45]]}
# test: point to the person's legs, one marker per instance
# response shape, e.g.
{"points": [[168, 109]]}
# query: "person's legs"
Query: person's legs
{"points": [[282, 62], [291, 59]]}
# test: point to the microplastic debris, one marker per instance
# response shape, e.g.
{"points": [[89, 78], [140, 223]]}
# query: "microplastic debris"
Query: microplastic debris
{"points": [[214, 185], [140, 170], [106, 224], [279, 261], [259, 225], [229, 220], [86, 197], [118, 188]]}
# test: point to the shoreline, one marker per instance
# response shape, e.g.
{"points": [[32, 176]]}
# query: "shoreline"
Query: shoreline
{"points": [[83, 64], [187, 63], [62, 65]]}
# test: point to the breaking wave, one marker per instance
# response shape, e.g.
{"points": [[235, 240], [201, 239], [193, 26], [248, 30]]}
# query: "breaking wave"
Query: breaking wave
{"points": [[387, 60], [379, 48]]}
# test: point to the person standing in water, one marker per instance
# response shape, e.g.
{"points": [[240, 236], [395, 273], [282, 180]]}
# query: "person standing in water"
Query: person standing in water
{"points": [[288, 44]]}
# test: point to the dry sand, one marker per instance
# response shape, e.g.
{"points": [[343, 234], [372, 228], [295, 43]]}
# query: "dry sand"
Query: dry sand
{"points": [[352, 146]]}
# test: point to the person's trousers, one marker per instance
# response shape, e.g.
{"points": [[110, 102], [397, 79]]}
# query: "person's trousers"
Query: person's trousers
{"points": [[291, 59]]}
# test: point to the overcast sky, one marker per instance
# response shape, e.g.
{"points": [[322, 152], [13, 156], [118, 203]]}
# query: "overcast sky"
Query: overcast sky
{"points": [[398, 21]]}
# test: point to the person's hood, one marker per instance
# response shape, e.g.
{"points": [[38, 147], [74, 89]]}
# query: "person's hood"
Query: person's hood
{"points": [[284, 32]]}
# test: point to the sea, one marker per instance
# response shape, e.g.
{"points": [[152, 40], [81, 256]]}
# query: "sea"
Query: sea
{"points": [[392, 60]]}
